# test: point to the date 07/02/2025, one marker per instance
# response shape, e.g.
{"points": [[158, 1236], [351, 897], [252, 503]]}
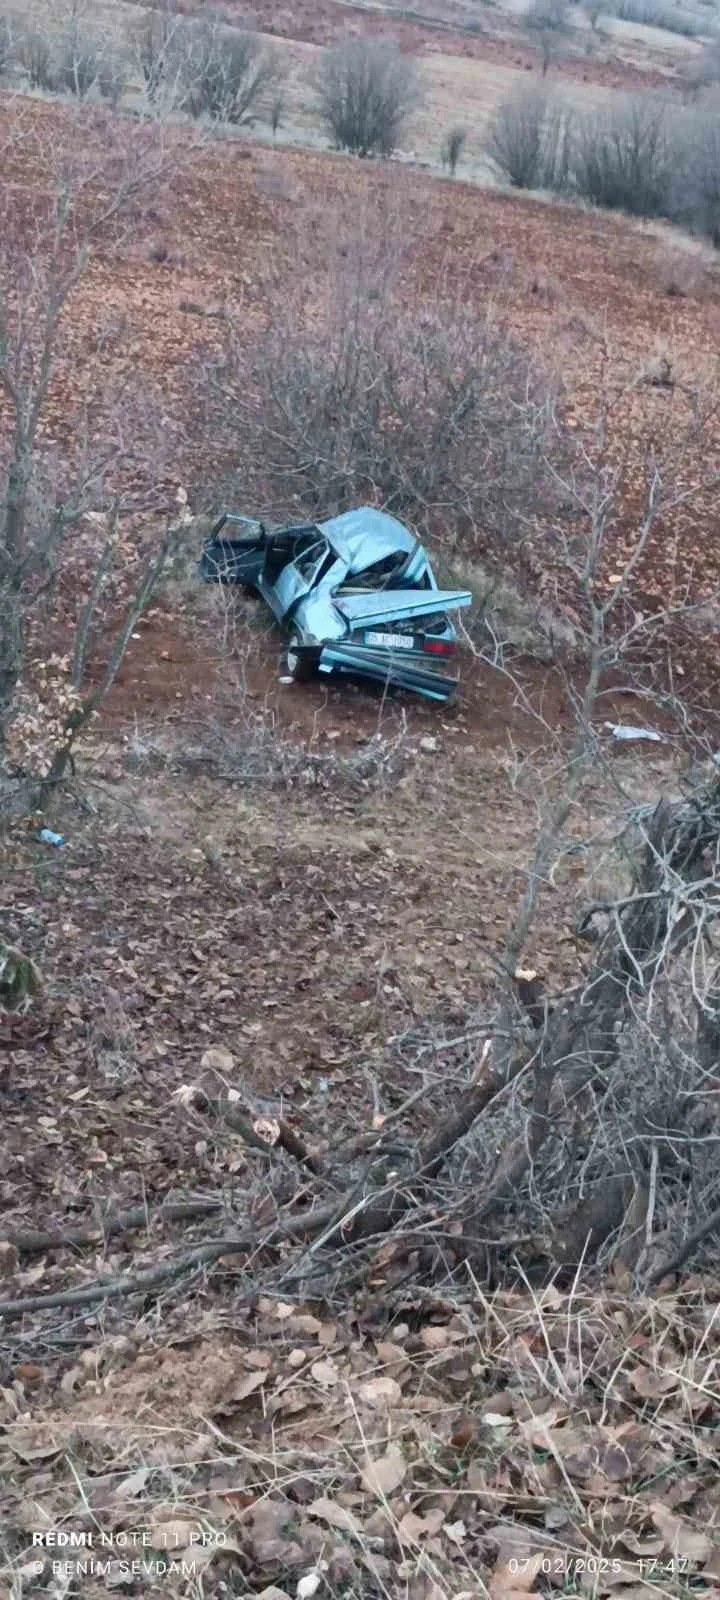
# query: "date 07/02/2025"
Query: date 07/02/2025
{"points": [[574, 1566]]}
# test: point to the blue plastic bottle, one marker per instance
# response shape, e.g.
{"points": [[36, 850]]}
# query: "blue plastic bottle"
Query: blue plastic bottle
{"points": [[48, 837]]}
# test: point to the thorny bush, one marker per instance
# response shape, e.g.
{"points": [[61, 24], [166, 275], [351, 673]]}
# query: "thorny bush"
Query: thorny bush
{"points": [[437, 414]]}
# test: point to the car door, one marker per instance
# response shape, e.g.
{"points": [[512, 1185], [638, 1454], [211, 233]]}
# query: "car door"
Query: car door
{"points": [[297, 576]]}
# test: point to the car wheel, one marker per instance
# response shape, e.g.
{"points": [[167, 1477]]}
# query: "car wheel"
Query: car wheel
{"points": [[301, 662]]}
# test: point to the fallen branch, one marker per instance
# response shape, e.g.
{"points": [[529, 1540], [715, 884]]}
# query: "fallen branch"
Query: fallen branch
{"points": [[28, 1241], [374, 1215], [391, 1203], [169, 1271], [287, 1139], [260, 1133], [696, 1235]]}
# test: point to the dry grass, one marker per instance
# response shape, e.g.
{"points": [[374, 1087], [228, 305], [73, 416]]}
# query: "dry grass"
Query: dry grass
{"points": [[462, 1443]]}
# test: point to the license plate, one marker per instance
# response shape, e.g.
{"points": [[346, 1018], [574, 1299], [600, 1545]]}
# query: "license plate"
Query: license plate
{"points": [[391, 641]]}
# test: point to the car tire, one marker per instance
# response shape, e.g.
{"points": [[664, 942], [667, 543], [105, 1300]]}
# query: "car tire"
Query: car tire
{"points": [[301, 663]]}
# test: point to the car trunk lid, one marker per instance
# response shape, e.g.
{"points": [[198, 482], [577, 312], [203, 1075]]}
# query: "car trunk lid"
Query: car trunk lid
{"points": [[381, 610]]}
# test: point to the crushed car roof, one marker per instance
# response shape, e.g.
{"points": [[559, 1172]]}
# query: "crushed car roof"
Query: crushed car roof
{"points": [[366, 535]]}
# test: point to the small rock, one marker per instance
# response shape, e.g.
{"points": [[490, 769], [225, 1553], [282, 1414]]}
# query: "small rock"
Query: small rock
{"points": [[428, 743]]}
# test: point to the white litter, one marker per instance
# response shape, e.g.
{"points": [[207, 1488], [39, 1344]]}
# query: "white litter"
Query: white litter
{"points": [[308, 1585], [628, 734]]}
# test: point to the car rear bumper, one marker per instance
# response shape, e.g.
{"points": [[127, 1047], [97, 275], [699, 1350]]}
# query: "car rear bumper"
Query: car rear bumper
{"points": [[387, 666]]}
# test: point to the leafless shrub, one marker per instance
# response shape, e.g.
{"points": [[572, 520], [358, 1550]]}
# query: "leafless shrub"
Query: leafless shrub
{"points": [[436, 413], [452, 148], [529, 141], [623, 157], [636, 1124], [225, 74], [655, 14], [250, 750], [153, 41], [546, 21], [696, 186], [642, 155], [77, 62], [36, 57], [6, 47], [366, 90]]}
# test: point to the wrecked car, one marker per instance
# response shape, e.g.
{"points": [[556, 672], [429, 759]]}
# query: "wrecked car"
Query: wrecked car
{"points": [[357, 595]]}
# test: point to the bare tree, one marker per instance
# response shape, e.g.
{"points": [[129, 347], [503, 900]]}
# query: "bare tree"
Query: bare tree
{"points": [[36, 57], [452, 148], [225, 74], [435, 412], [528, 140], [624, 156], [77, 61], [97, 180], [7, 51], [546, 21], [643, 155], [695, 183], [82, 698], [366, 91], [153, 43], [657, 14]]}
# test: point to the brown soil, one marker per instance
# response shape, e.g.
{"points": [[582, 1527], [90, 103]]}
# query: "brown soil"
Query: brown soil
{"points": [[582, 289], [501, 40]]}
